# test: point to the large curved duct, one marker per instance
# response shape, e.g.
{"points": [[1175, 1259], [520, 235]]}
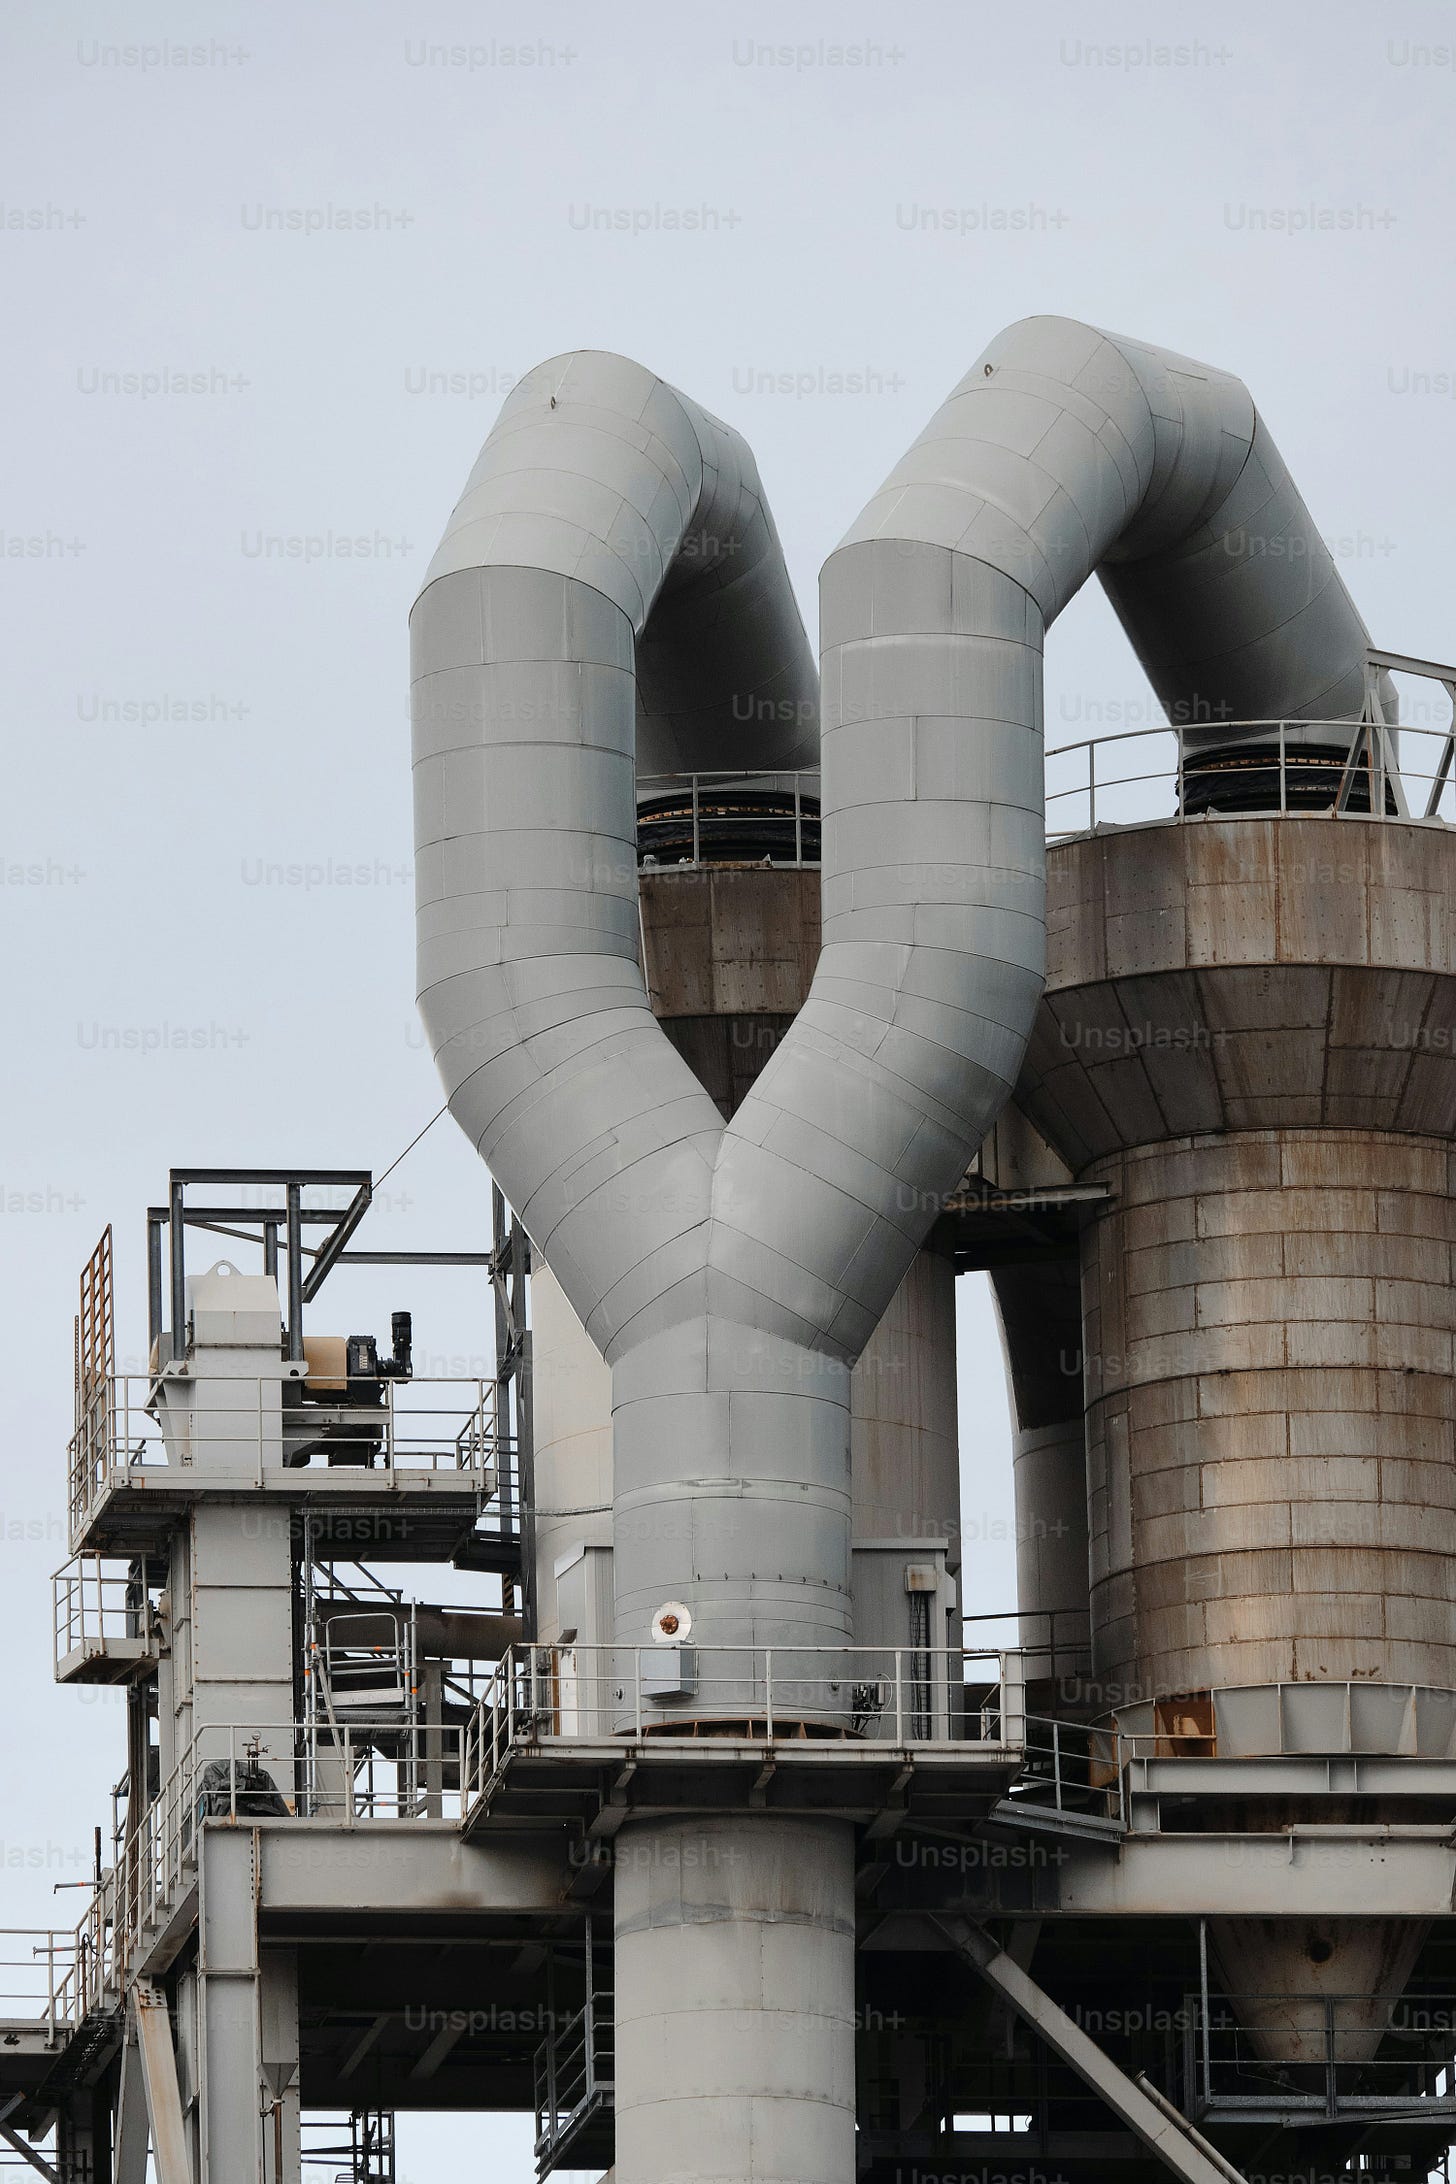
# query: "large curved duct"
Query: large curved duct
{"points": [[598, 472], [1065, 450], [608, 523]]}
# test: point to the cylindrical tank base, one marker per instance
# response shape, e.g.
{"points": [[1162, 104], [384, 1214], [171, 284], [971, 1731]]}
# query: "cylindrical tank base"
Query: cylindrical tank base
{"points": [[1284, 1975], [735, 2002]]}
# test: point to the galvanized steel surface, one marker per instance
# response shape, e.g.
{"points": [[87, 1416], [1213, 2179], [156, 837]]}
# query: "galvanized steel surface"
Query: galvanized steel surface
{"points": [[1039, 1308]]}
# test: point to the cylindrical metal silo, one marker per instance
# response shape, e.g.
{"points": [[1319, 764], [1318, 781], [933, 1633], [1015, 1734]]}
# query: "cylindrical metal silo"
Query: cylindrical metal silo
{"points": [[904, 1436], [1246, 1037]]}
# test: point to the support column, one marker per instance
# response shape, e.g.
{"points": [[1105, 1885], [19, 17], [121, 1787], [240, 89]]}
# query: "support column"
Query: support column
{"points": [[247, 1999], [735, 1936], [735, 2002], [130, 2134], [171, 2149]]}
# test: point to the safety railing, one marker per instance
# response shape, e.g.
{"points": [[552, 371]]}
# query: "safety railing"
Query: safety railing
{"points": [[37, 1985], [98, 1603], [1053, 1643], [55, 1977], [352, 1772], [1263, 768], [87, 1978], [248, 1428], [347, 1770], [382, 1770], [345, 1773], [157, 1858], [574, 2071], [1073, 1771], [1124, 777], [1324, 2056], [364, 1659], [869, 1694], [116, 1435], [726, 817]]}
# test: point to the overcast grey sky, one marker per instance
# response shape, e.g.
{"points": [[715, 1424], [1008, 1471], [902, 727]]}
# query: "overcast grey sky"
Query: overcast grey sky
{"points": [[269, 272]]}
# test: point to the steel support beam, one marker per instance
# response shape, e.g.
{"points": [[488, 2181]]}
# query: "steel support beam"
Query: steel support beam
{"points": [[28, 2153], [159, 2076], [129, 2157], [1036, 1870], [413, 1869], [247, 2026], [22, 2146], [1149, 2119]]}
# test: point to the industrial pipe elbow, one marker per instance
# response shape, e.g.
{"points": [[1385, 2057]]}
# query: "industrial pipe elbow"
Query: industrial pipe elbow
{"points": [[609, 592], [1063, 451]]}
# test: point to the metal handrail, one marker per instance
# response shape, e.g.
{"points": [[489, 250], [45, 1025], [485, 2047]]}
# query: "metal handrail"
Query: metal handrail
{"points": [[358, 1771], [72, 1970], [1227, 2072], [295, 1770], [1377, 755], [399, 1434], [949, 1697], [362, 2138], [34, 1980], [96, 1600], [800, 782], [1074, 1769], [574, 2068]]}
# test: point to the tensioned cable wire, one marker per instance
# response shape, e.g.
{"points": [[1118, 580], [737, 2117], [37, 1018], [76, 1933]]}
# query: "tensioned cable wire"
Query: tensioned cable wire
{"points": [[414, 1141]]}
